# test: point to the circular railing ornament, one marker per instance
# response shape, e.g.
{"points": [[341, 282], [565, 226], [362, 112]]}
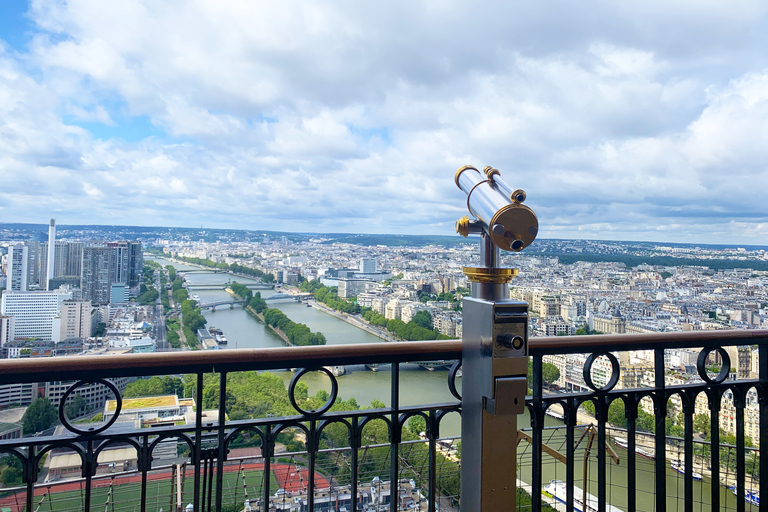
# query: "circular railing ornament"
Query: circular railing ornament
{"points": [[701, 365], [91, 430], [452, 380], [615, 371], [328, 403]]}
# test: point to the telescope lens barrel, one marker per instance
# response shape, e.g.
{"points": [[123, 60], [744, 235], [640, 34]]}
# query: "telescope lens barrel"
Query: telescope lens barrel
{"points": [[511, 225]]}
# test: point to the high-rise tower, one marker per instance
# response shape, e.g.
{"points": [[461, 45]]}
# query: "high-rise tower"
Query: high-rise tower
{"points": [[17, 268], [51, 252]]}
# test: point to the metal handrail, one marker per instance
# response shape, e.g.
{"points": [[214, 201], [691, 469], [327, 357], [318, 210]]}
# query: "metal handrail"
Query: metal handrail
{"points": [[230, 360], [75, 367]]}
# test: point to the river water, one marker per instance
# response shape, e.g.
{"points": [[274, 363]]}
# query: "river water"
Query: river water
{"points": [[418, 386]]}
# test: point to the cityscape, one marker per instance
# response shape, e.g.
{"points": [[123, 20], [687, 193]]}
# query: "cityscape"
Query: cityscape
{"points": [[160, 292]]}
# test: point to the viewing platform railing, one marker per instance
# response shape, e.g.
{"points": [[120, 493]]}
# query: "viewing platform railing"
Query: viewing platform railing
{"points": [[206, 442]]}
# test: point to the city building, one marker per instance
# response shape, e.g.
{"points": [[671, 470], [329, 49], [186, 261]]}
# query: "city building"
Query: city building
{"points": [[35, 314], [118, 293], [6, 329], [351, 287], [18, 270], [75, 319], [126, 263], [368, 265], [67, 261], [95, 283]]}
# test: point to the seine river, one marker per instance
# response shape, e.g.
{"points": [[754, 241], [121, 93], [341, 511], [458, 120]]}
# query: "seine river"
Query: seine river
{"points": [[418, 386]]}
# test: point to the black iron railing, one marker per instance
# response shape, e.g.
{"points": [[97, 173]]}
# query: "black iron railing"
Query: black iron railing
{"points": [[716, 382], [205, 443], [206, 464]]}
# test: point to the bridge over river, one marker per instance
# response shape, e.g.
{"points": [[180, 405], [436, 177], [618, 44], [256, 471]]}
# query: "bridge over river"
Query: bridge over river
{"points": [[239, 302], [224, 286]]}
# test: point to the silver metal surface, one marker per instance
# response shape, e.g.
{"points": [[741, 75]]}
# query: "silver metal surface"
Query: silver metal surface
{"points": [[495, 365]]}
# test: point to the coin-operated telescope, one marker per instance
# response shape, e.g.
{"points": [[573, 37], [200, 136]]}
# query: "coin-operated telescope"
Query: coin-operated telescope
{"points": [[495, 340]]}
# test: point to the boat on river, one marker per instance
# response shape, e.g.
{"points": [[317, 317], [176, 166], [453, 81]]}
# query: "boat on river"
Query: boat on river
{"points": [[374, 367], [218, 335], [432, 365], [678, 466], [335, 370], [557, 489], [623, 443], [752, 497], [554, 414]]}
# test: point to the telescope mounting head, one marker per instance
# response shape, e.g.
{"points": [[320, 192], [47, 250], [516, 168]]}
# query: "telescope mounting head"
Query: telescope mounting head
{"points": [[502, 220]]}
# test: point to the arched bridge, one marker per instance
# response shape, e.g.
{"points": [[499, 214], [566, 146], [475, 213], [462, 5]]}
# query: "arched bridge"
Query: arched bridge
{"points": [[224, 286], [239, 302]]}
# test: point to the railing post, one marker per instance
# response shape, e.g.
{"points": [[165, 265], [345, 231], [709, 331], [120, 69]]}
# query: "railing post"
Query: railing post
{"points": [[763, 401], [197, 456], [660, 410], [495, 364], [222, 452]]}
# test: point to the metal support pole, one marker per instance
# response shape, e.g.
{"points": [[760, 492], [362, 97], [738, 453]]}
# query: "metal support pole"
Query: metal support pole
{"points": [[495, 363]]}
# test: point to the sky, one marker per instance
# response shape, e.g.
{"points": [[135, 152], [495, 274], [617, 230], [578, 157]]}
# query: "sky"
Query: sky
{"points": [[621, 120]]}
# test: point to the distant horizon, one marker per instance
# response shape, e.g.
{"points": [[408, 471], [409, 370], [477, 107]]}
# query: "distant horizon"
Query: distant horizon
{"points": [[456, 237]]}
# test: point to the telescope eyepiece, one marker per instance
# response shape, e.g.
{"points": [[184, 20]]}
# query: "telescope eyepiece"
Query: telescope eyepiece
{"points": [[518, 196]]}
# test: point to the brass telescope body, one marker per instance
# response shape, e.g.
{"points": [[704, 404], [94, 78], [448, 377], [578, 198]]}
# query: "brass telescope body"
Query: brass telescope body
{"points": [[499, 216]]}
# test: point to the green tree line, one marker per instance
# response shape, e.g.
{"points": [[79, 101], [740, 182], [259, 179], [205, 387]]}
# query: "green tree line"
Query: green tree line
{"points": [[253, 300], [298, 334], [415, 330], [192, 320]]}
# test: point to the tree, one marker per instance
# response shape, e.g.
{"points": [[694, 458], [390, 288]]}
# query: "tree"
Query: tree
{"points": [[40, 415], [423, 319], [702, 424], [101, 329], [549, 373], [75, 407]]}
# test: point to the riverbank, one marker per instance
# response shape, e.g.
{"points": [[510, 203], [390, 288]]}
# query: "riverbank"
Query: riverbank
{"points": [[277, 331], [353, 321], [674, 452]]}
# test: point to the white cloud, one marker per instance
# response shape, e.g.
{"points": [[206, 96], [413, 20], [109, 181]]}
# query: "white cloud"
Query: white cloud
{"points": [[621, 121]]}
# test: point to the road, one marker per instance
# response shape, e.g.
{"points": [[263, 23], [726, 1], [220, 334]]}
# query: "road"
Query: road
{"points": [[158, 318]]}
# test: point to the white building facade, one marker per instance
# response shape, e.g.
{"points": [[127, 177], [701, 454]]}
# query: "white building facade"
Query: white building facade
{"points": [[35, 314]]}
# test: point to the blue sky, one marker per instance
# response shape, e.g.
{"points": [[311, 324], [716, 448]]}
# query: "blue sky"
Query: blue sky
{"points": [[642, 121]]}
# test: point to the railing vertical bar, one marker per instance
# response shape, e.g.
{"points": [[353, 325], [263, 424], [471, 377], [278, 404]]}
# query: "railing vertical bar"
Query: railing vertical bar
{"points": [[146, 464], [269, 444], [210, 481], [537, 424], [688, 408], [571, 416], [741, 464], [198, 438], [395, 434], [355, 446], [432, 459], [660, 409], [763, 401], [220, 441], [715, 397], [89, 466], [204, 479], [30, 467], [630, 412], [312, 446], [602, 473]]}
